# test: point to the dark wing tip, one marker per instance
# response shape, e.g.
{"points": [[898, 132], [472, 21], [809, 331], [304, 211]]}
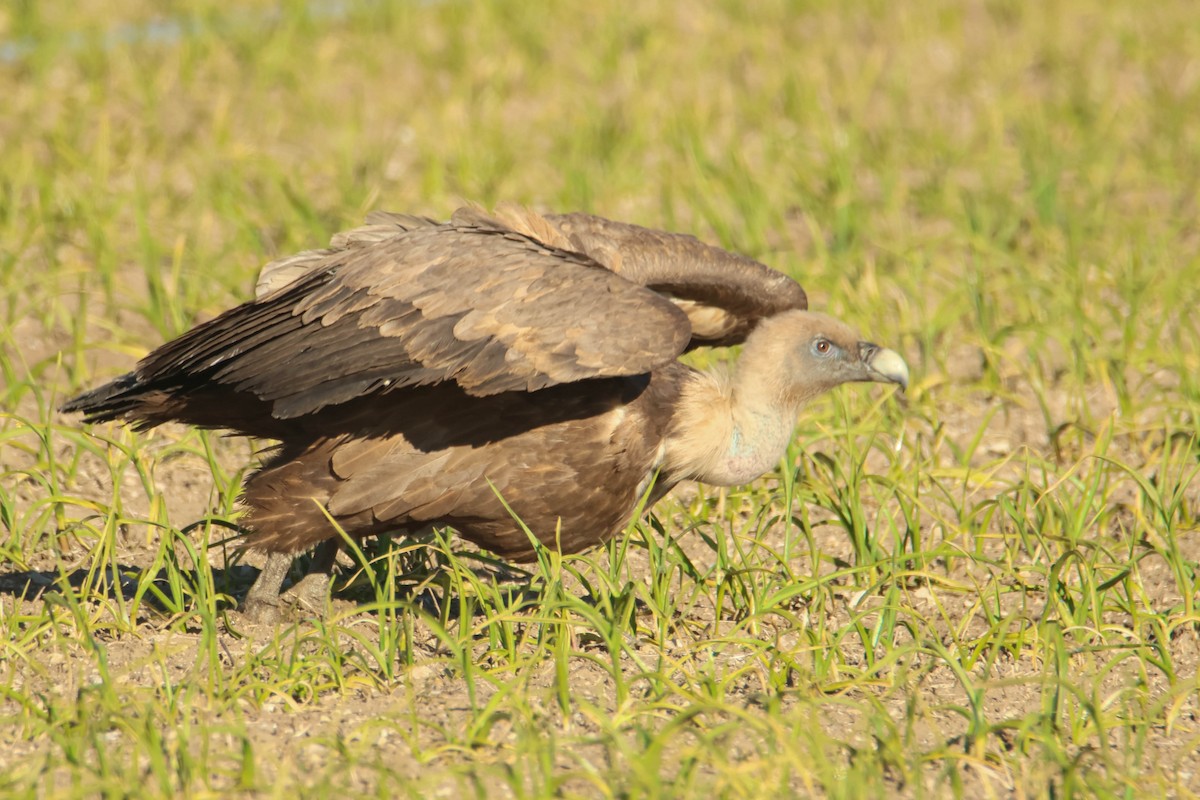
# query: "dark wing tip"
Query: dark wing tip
{"points": [[105, 402]]}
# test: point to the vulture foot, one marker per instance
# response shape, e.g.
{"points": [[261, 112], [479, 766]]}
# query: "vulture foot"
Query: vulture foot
{"points": [[308, 597], [263, 604], [264, 613], [267, 605]]}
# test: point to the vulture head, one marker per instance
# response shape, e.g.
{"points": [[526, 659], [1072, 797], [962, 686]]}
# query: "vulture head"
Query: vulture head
{"points": [[730, 429], [808, 354]]}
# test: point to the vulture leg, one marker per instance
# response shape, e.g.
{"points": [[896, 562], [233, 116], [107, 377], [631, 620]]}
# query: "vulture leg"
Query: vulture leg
{"points": [[262, 601], [266, 604], [310, 593]]}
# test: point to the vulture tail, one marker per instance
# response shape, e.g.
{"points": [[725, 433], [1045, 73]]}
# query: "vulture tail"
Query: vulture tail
{"points": [[105, 403], [146, 403], [179, 381], [125, 398]]}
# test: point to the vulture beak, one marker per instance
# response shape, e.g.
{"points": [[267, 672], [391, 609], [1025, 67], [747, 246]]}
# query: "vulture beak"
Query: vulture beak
{"points": [[883, 365]]}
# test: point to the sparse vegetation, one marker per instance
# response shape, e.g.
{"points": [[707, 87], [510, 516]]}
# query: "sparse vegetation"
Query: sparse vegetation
{"points": [[987, 587]]}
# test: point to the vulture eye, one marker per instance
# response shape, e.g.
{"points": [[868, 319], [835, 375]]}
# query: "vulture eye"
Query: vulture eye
{"points": [[822, 347]]}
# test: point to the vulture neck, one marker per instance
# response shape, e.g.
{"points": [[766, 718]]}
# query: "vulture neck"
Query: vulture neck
{"points": [[730, 429]]}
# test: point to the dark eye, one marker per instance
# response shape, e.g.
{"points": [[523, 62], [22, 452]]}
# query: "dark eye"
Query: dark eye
{"points": [[822, 347]]}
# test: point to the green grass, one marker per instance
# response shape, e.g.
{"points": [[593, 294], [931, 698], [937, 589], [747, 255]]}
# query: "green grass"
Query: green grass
{"points": [[985, 588]]}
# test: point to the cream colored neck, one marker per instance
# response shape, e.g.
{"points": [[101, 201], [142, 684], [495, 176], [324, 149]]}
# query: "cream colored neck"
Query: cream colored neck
{"points": [[728, 433]]}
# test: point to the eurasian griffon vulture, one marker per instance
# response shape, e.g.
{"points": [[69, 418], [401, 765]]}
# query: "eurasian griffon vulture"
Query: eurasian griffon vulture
{"points": [[415, 373]]}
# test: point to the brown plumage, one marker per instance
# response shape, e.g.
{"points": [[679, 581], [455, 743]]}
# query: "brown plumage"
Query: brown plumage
{"points": [[415, 373]]}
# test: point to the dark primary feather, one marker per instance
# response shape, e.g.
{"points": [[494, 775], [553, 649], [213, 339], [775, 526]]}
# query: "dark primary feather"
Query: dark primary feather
{"points": [[490, 310]]}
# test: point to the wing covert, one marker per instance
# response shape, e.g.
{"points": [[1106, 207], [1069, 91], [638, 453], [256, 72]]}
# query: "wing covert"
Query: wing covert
{"points": [[725, 295]]}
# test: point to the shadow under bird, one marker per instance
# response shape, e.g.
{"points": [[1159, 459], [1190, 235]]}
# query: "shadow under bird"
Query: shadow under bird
{"points": [[414, 373]]}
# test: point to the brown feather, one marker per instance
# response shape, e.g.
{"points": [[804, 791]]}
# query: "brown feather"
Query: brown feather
{"points": [[705, 279]]}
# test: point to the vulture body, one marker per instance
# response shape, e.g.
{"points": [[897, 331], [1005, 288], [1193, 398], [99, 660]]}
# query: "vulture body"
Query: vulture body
{"points": [[419, 373]]}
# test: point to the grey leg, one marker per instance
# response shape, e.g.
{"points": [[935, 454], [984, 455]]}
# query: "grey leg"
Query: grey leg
{"points": [[262, 601], [311, 592]]}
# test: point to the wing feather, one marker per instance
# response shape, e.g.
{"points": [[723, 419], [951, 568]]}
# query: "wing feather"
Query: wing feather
{"points": [[491, 310], [380, 225], [513, 301], [725, 295]]}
